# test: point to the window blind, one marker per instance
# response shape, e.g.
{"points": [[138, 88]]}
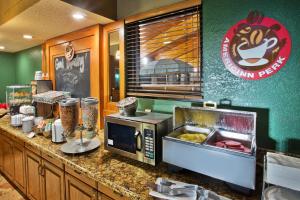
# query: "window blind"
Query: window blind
{"points": [[163, 57]]}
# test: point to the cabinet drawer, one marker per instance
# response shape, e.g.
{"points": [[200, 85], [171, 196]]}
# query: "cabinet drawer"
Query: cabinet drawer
{"points": [[53, 160], [78, 190], [79, 175], [108, 193]]}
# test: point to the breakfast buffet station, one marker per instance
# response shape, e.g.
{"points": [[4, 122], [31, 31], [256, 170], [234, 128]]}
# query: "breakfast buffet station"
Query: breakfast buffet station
{"points": [[82, 129]]}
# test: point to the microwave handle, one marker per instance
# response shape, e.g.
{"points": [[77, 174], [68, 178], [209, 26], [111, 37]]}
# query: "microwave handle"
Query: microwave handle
{"points": [[138, 140]]}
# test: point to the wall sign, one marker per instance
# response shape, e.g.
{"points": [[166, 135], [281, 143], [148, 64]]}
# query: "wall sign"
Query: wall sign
{"points": [[73, 76], [256, 47], [69, 52]]}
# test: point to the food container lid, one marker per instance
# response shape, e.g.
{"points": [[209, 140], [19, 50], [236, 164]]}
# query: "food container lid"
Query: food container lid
{"points": [[68, 102], [126, 102], [243, 122], [89, 101]]}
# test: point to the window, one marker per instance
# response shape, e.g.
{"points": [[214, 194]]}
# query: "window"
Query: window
{"points": [[163, 57]]}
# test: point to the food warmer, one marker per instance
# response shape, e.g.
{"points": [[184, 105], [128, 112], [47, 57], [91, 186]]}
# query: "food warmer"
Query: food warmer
{"points": [[219, 143], [17, 95]]}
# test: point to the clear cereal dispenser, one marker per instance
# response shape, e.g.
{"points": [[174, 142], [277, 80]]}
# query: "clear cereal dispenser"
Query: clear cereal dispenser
{"points": [[89, 108], [69, 117]]}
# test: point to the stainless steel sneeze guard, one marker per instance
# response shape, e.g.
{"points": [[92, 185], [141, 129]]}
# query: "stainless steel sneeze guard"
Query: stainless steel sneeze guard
{"points": [[225, 164]]}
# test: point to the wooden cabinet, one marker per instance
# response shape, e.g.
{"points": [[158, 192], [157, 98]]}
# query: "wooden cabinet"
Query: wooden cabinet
{"points": [[43, 177], [45, 181], [102, 196], [19, 166], [1, 152], [33, 170], [52, 182], [108, 193], [77, 190], [113, 65], [8, 161]]}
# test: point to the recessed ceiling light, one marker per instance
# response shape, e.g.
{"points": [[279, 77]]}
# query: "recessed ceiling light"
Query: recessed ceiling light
{"points": [[2, 47], [28, 37], [78, 16]]}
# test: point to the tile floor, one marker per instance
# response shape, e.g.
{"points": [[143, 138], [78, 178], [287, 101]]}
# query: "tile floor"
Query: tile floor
{"points": [[7, 191]]}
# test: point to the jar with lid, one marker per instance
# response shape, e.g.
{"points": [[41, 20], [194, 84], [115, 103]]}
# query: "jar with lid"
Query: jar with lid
{"points": [[89, 108], [69, 117]]}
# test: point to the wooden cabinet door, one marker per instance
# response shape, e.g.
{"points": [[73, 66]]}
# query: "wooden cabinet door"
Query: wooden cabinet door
{"points": [[1, 152], [33, 168], [52, 182], [102, 196], [77, 190], [19, 164], [8, 161]]}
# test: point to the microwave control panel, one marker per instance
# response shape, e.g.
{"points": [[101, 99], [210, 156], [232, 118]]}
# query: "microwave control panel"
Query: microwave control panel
{"points": [[149, 143]]}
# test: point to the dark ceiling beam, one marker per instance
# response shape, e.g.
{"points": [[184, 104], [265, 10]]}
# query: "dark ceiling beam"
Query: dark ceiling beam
{"points": [[105, 8]]}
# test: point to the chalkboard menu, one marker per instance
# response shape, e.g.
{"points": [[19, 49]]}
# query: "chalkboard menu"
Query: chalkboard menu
{"points": [[73, 76]]}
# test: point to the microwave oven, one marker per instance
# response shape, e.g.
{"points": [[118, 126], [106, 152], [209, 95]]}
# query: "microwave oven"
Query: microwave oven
{"points": [[137, 137]]}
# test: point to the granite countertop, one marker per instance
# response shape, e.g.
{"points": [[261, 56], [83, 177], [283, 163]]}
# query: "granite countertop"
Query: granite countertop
{"points": [[125, 176]]}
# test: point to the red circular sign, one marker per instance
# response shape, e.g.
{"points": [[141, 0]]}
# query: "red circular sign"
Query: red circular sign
{"points": [[256, 47]]}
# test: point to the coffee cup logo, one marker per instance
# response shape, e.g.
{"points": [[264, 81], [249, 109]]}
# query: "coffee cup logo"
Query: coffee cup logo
{"points": [[256, 47]]}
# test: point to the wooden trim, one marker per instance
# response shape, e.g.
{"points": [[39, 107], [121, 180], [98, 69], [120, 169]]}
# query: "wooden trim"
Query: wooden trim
{"points": [[110, 193], [115, 26], [81, 176], [163, 10]]}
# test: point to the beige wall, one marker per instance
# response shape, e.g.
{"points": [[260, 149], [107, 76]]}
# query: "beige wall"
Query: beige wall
{"points": [[126, 8]]}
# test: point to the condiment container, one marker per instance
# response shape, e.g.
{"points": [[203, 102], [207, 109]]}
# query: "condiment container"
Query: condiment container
{"points": [[38, 120], [27, 124], [57, 131]]}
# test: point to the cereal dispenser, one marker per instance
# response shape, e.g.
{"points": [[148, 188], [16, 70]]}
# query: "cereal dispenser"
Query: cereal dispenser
{"points": [[89, 108], [76, 144]]}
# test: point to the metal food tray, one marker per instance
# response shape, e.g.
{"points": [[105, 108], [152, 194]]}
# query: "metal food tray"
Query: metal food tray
{"points": [[232, 166], [246, 140], [191, 129]]}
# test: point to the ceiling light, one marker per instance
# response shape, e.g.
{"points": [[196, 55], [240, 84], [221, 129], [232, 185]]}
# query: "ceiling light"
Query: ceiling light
{"points": [[28, 37], [2, 47], [78, 16], [167, 42]]}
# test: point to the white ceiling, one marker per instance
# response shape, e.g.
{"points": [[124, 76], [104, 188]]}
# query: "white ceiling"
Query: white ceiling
{"points": [[44, 20]]}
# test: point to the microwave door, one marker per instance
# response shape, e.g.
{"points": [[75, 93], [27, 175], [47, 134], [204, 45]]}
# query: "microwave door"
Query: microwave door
{"points": [[125, 137]]}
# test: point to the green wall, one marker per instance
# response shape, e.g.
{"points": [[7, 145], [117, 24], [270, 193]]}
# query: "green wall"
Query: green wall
{"points": [[275, 99], [27, 62], [7, 72], [19, 67]]}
